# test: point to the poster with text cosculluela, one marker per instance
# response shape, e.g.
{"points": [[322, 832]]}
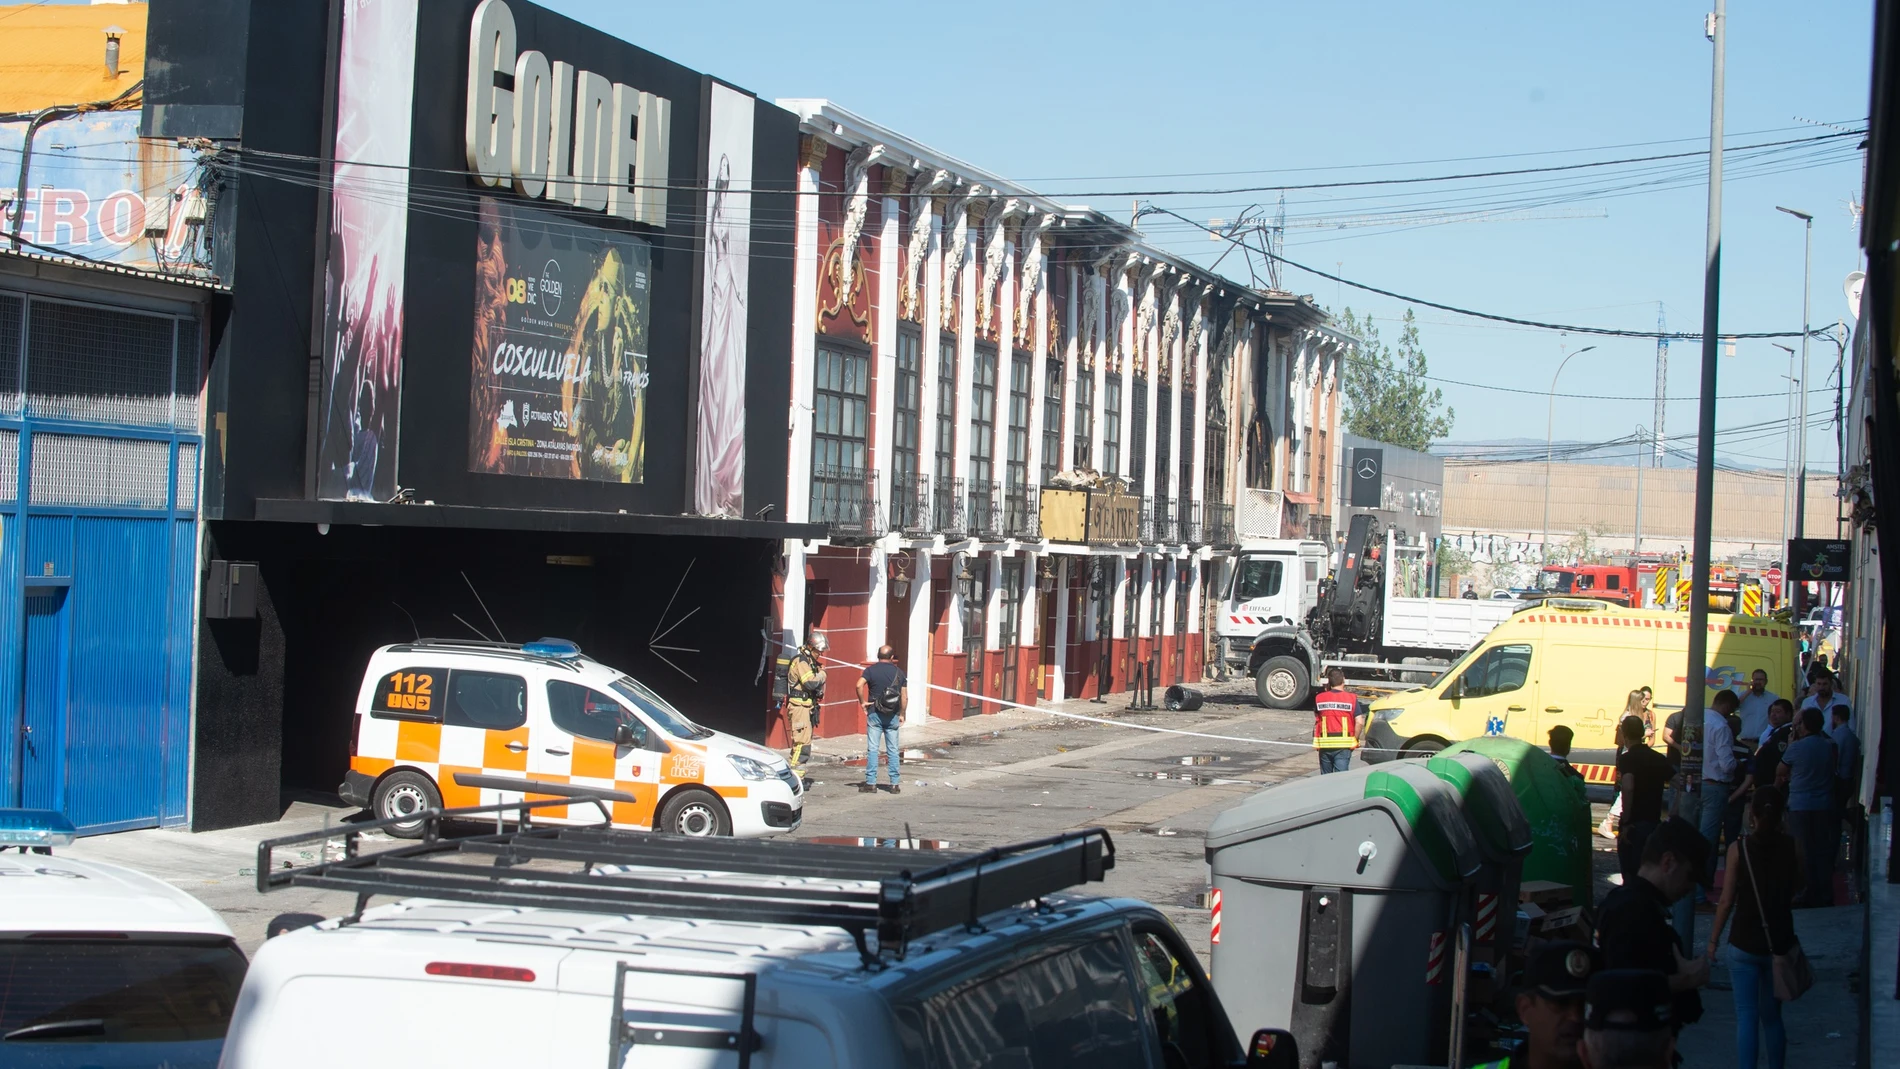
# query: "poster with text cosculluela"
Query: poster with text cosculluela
{"points": [[558, 372]]}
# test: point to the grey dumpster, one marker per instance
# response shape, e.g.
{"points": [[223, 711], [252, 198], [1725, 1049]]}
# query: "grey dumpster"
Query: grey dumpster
{"points": [[1339, 900], [1504, 840]]}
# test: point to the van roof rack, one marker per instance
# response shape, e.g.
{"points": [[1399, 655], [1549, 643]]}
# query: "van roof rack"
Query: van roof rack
{"points": [[488, 647], [902, 900]]}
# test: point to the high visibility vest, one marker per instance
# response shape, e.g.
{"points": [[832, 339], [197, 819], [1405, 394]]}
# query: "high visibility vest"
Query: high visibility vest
{"points": [[1333, 714]]}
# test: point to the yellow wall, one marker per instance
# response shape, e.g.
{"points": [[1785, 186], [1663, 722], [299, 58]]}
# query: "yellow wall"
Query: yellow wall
{"points": [[56, 53]]}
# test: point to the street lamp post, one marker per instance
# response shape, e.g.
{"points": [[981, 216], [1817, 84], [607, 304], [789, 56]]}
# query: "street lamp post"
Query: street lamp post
{"points": [[1550, 421], [1801, 399], [1789, 496]]}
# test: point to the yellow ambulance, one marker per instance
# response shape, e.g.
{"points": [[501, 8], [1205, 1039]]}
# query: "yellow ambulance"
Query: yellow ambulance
{"points": [[1573, 662]]}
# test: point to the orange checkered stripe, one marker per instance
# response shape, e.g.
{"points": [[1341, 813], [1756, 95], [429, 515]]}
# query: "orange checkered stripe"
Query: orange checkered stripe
{"points": [[1590, 619], [1597, 773], [421, 746]]}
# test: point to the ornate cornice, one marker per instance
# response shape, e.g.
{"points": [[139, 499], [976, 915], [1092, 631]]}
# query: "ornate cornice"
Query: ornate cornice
{"points": [[812, 150]]}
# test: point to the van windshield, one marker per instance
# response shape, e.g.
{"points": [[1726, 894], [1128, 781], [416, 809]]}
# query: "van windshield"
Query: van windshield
{"points": [[671, 720]]}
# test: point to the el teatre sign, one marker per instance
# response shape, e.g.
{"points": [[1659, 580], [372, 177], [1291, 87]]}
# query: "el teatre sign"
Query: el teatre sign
{"points": [[1092, 516], [560, 134]]}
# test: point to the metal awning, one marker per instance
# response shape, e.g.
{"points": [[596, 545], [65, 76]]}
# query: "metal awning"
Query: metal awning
{"points": [[299, 510]]}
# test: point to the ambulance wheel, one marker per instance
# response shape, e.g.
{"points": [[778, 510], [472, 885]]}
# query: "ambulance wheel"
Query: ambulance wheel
{"points": [[404, 794], [695, 812], [1420, 749], [1282, 683]]}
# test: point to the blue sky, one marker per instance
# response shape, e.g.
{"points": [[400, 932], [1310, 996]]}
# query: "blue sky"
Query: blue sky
{"points": [[1071, 97]]}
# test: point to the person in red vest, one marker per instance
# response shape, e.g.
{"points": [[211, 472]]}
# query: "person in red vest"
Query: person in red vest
{"points": [[1339, 723]]}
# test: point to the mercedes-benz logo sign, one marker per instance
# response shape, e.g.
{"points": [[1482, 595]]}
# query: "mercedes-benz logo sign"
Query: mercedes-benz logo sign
{"points": [[550, 288], [1368, 469]]}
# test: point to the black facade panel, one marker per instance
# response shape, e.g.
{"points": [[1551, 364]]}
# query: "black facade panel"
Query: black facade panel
{"points": [[260, 365], [195, 68], [769, 326], [237, 729]]}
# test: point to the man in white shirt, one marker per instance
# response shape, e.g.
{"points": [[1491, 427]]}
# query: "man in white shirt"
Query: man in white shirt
{"points": [[1719, 773], [1754, 708], [1824, 697]]}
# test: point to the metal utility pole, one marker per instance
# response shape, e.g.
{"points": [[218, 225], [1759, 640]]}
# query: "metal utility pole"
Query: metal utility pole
{"points": [[1637, 547], [1788, 500], [1698, 667], [1550, 420], [1801, 399]]}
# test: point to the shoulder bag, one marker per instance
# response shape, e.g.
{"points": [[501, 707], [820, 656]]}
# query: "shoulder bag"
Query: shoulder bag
{"points": [[1793, 973]]}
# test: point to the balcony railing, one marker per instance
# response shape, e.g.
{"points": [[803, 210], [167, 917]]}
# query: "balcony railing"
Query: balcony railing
{"points": [[1022, 512], [1217, 524], [1188, 518], [1164, 526], [983, 508], [946, 507], [910, 503], [1147, 520], [845, 500]]}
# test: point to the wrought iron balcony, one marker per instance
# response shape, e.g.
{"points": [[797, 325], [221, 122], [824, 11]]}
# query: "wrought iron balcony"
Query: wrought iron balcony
{"points": [[1188, 519], [984, 508], [1217, 524], [1022, 512], [946, 507], [846, 500], [910, 503], [1164, 529]]}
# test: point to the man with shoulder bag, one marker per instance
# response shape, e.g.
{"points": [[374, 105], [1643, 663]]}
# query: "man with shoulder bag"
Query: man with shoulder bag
{"points": [[885, 693]]}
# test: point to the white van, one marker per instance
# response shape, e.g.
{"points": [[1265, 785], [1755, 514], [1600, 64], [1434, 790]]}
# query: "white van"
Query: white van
{"points": [[569, 946], [446, 723]]}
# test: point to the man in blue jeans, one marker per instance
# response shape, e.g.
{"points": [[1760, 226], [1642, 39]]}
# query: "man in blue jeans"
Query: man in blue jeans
{"points": [[885, 694], [1807, 772]]}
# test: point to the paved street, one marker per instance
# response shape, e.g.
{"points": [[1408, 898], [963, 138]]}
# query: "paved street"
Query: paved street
{"points": [[970, 783]]}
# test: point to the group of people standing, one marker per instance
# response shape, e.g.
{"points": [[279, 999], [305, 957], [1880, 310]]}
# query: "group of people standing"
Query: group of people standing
{"points": [[1776, 781], [883, 690]]}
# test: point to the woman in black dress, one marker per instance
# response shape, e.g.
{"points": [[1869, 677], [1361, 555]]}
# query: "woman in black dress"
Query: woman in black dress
{"points": [[1759, 889]]}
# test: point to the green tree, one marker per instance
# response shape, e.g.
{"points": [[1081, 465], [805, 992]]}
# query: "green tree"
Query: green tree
{"points": [[1387, 397]]}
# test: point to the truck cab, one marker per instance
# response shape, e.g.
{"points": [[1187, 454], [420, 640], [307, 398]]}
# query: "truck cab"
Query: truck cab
{"points": [[1274, 583]]}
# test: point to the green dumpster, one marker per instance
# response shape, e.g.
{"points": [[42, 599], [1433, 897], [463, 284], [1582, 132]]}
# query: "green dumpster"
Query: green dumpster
{"points": [[1555, 806], [1504, 838]]}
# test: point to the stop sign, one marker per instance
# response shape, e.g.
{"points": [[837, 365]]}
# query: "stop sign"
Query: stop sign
{"points": [[1772, 576]]}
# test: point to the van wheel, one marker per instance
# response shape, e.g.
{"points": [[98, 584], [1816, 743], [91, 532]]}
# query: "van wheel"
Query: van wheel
{"points": [[1420, 749], [1282, 683], [404, 794], [697, 813]]}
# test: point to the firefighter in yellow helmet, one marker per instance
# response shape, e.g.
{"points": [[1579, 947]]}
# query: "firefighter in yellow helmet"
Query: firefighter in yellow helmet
{"points": [[804, 690], [1339, 723]]}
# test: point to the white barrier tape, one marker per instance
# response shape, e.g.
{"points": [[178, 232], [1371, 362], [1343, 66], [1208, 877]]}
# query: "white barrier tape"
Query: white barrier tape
{"points": [[1105, 720]]}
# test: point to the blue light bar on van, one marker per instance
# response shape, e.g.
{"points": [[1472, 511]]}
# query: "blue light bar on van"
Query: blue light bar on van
{"points": [[558, 648], [35, 827]]}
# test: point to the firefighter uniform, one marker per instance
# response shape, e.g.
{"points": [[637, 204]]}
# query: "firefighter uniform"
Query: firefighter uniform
{"points": [[1335, 728], [805, 686]]}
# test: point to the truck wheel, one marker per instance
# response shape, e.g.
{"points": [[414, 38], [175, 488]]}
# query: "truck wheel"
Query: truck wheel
{"points": [[404, 794], [695, 812], [1282, 683]]}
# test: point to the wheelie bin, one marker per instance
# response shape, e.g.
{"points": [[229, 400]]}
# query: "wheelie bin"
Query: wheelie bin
{"points": [[1338, 900]]}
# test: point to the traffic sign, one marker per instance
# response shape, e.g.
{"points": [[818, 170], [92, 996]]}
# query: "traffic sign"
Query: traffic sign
{"points": [[1772, 577]]}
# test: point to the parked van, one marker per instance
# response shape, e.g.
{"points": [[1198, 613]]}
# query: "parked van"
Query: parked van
{"points": [[594, 947], [469, 723], [1573, 662]]}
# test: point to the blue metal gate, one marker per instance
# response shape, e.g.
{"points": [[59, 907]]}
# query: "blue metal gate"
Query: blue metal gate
{"points": [[99, 460]]}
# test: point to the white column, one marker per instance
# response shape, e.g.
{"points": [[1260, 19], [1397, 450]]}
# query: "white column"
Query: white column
{"points": [[1150, 347], [1145, 597], [953, 626], [1198, 431], [966, 345], [1130, 358], [1038, 366], [917, 665], [1059, 642], [1181, 440], [993, 608], [804, 334], [883, 403], [1170, 590], [930, 292], [1098, 355], [1005, 302], [1118, 593], [1070, 360]]}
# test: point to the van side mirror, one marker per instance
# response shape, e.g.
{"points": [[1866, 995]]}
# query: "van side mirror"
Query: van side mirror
{"points": [[1273, 1048], [623, 734]]}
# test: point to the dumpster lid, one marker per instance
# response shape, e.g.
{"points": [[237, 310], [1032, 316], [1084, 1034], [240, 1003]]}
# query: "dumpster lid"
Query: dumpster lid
{"points": [[1496, 816], [1428, 807]]}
